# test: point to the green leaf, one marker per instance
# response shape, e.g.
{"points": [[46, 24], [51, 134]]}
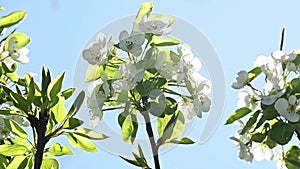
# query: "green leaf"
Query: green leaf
{"points": [[21, 38], [19, 101], [72, 123], [59, 111], [15, 128], [46, 79], [49, 162], [2, 8], [252, 74], [3, 162], [76, 104], [295, 83], [81, 142], [145, 9], [67, 93], [133, 162], [250, 122], [57, 150], [8, 112], [162, 123], [90, 134], [159, 42], [13, 150], [297, 59], [10, 69], [129, 129], [11, 19], [123, 115], [30, 89], [258, 137], [184, 140], [281, 132], [174, 128], [238, 114], [292, 157], [270, 143], [18, 162], [93, 72], [55, 86], [171, 105]]}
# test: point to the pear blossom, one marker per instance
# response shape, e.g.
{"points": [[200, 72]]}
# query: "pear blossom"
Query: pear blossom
{"points": [[97, 52], [245, 152], [157, 25], [188, 63], [18, 54], [284, 57], [248, 98], [262, 152], [131, 43], [242, 79], [130, 76], [95, 103], [201, 104], [288, 108]]}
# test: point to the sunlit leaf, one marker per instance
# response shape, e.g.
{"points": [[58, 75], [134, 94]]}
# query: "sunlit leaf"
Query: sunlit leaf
{"points": [[12, 18], [184, 140], [58, 150], [55, 86], [18, 162], [81, 142], [252, 120], [238, 114], [76, 104], [252, 74], [49, 162], [129, 129], [21, 38], [145, 9], [72, 123], [15, 128], [292, 157], [90, 134], [13, 150]]}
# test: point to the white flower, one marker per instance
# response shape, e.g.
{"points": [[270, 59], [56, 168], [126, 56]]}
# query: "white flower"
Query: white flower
{"points": [[245, 153], [17, 53], [188, 63], [242, 79], [131, 43], [95, 103], [201, 104], [200, 85], [262, 152], [97, 52], [278, 158], [284, 57], [288, 108], [131, 75], [157, 25], [271, 92], [248, 98]]}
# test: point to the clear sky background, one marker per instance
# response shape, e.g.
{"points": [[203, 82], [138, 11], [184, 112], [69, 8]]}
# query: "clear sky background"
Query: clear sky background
{"points": [[239, 31]]}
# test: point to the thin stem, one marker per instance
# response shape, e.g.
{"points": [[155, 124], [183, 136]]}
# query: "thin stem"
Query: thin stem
{"points": [[154, 147], [282, 38], [113, 108], [143, 54]]}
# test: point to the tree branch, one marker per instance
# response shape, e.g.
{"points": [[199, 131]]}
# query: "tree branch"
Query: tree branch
{"points": [[154, 147]]}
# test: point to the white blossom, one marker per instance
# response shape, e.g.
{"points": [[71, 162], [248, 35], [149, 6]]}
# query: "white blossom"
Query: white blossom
{"points": [[262, 152], [130, 76], [288, 108], [18, 54], [242, 79], [245, 152], [131, 43], [248, 98], [279, 160], [284, 57], [97, 52], [157, 25]]}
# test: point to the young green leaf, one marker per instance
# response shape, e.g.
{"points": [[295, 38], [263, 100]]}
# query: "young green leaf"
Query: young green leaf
{"points": [[67, 93], [59, 112], [250, 122], [18, 162], [3, 162], [145, 9], [72, 123], [81, 142], [166, 42], [15, 128], [184, 140], [57, 150], [55, 86], [13, 150], [76, 104], [19, 101], [11, 19], [129, 129], [133, 162], [90, 134], [93, 72], [238, 114], [49, 162], [46, 79]]}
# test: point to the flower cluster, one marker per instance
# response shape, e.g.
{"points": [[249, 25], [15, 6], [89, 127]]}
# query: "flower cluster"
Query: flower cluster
{"points": [[138, 65], [275, 108]]}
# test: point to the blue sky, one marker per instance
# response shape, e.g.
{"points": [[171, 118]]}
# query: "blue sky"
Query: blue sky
{"points": [[238, 30]]}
